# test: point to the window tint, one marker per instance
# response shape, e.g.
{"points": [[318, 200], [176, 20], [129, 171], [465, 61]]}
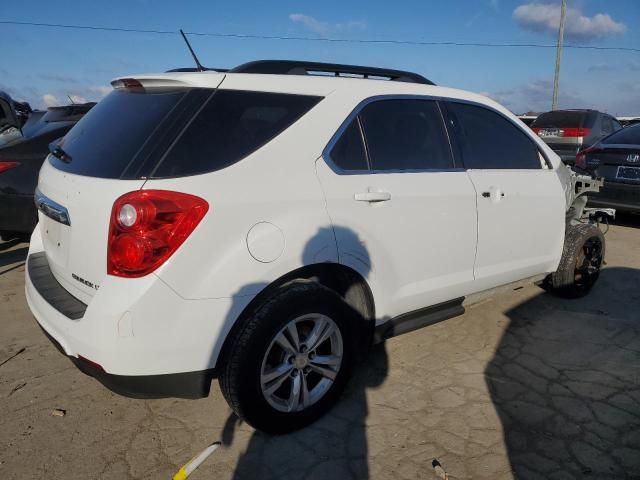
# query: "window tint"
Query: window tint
{"points": [[616, 125], [488, 140], [111, 134], [626, 136], [561, 119], [232, 125], [9, 136], [405, 135], [348, 153], [607, 125]]}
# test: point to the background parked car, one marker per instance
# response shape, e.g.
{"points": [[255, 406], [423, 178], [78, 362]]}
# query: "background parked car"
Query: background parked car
{"points": [[24, 140], [617, 159], [569, 131], [628, 121], [527, 119]]}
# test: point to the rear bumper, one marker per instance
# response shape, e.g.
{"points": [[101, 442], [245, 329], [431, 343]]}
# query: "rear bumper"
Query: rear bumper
{"points": [[136, 336], [621, 196], [17, 213], [177, 385]]}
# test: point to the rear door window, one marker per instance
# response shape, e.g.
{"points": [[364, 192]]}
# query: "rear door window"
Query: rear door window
{"points": [[232, 125], [406, 135], [487, 140], [349, 153]]}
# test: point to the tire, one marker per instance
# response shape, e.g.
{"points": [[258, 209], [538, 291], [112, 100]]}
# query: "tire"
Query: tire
{"points": [[582, 257], [256, 353]]}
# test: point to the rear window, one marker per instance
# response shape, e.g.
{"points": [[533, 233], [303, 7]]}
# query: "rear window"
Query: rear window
{"points": [[562, 119], [160, 133], [9, 136], [111, 135], [626, 136]]}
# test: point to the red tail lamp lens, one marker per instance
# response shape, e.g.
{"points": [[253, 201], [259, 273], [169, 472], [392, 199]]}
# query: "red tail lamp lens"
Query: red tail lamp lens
{"points": [[576, 132], [4, 166], [581, 157], [147, 227]]}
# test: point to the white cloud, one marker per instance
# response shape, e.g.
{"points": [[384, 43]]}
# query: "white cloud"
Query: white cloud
{"points": [[324, 28], [50, 100], [535, 96], [542, 17]]}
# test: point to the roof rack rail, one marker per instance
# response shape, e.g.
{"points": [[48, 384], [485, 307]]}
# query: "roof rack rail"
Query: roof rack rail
{"points": [[195, 69], [292, 67]]}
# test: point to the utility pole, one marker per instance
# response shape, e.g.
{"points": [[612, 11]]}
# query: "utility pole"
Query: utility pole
{"points": [[556, 79]]}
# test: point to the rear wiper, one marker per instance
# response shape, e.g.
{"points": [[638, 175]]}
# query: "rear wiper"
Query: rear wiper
{"points": [[59, 153]]}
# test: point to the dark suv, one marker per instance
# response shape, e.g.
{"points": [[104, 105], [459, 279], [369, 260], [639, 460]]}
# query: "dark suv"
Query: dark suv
{"points": [[25, 136], [569, 131]]}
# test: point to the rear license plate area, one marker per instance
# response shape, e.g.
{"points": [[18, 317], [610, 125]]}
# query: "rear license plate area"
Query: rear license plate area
{"points": [[628, 173], [549, 132]]}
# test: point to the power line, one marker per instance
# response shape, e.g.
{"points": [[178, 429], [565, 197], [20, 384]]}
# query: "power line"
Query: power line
{"points": [[317, 39]]}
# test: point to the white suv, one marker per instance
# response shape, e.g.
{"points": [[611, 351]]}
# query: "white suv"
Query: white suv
{"points": [[265, 225]]}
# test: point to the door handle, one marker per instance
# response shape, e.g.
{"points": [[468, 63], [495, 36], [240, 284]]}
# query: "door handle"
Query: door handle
{"points": [[372, 197]]}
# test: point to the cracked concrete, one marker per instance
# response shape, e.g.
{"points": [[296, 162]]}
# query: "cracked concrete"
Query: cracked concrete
{"points": [[523, 386]]}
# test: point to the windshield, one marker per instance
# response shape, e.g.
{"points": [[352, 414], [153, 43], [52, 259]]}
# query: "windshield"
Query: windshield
{"points": [[9, 136]]}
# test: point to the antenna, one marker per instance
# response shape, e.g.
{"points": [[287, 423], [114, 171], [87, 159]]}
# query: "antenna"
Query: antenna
{"points": [[193, 54], [71, 100]]}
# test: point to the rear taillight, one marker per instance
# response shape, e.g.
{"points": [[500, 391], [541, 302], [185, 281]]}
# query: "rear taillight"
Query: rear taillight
{"points": [[563, 132], [581, 158], [4, 166], [575, 132], [147, 227]]}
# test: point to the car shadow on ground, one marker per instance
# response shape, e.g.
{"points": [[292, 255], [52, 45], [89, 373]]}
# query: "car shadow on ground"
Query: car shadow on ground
{"points": [[334, 447], [565, 382], [625, 219], [9, 257]]}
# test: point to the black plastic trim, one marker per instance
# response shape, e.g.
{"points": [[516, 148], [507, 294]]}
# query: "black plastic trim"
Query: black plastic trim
{"points": [[293, 67], [51, 290], [423, 317], [190, 385]]}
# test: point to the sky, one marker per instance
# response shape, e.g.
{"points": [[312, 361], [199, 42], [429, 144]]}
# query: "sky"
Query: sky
{"points": [[45, 66]]}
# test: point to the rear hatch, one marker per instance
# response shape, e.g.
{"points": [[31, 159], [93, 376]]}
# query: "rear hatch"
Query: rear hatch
{"points": [[110, 152], [563, 131]]}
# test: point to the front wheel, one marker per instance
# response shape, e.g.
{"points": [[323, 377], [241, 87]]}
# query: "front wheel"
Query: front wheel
{"points": [[290, 360], [582, 258]]}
